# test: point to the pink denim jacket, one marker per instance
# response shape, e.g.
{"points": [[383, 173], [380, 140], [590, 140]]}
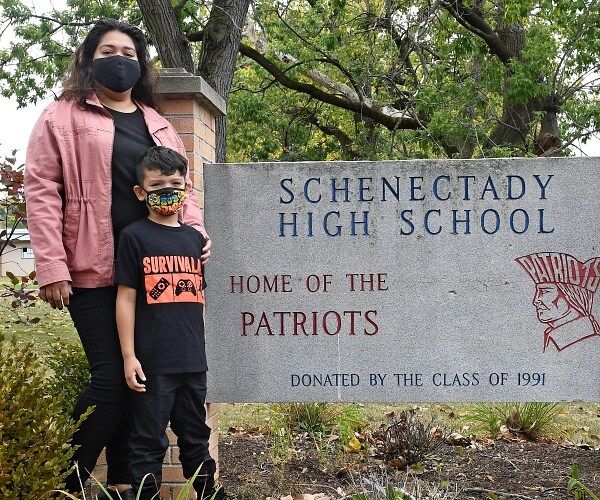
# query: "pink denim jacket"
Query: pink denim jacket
{"points": [[68, 191]]}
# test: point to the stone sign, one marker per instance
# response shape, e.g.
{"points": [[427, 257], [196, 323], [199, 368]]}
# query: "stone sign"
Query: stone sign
{"points": [[456, 280]]}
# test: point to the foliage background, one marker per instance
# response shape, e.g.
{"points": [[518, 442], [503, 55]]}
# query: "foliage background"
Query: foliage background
{"points": [[354, 79]]}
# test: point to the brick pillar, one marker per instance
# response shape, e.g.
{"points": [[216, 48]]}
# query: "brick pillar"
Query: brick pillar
{"points": [[191, 105]]}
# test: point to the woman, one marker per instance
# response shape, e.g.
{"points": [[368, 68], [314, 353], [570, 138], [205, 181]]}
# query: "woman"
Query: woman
{"points": [[79, 189]]}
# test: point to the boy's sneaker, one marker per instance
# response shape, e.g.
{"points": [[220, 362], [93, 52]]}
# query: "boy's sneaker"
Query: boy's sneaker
{"points": [[214, 494]]}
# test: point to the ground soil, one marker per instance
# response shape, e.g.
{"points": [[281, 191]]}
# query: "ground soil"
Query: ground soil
{"points": [[506, 468]]}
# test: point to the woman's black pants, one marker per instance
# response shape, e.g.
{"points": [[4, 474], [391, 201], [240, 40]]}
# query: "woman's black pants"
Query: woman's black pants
{"points": [[110, 424]]}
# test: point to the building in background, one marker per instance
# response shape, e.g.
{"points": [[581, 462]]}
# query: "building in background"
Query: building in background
{"points": [[18, 257]]}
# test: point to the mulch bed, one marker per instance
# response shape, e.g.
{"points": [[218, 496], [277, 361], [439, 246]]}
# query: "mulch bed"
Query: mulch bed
{"points": [[495, 469]]}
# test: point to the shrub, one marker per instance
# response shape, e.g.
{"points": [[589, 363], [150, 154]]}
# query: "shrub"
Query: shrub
{"points": [[313, 418], [528, 420], [20, 290], [13, 217], [34, 430], [408, 439], [69, 373], [316, 419]]}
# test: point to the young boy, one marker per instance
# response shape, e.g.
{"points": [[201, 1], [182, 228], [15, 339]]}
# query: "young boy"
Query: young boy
{"points": [[161, 328]]}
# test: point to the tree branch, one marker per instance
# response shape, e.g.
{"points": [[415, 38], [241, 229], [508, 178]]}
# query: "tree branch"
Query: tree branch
{"points": [[61, 23], [328, 58], [403, 45], [198, 36], [471, 21], [179, 7], [343, 138], [388, 121]]}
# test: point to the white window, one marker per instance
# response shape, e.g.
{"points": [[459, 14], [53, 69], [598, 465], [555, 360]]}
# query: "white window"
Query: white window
{"points": [[27, 253]]}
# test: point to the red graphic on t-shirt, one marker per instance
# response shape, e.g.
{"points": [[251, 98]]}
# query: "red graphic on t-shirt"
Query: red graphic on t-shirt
{"points": [[173, 279], [159, 288], [187, 288]]}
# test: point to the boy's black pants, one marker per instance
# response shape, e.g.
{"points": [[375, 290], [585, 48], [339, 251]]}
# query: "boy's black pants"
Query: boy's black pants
{"points": [[178, 398]]}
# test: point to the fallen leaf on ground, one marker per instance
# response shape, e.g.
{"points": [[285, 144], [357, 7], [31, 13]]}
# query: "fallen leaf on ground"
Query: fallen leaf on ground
{"points": [[398, 463], [506, 434], [353, 445], [456, 439]]}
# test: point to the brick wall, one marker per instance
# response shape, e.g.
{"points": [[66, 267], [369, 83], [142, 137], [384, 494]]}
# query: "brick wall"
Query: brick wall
{"points": [[196, 126]]}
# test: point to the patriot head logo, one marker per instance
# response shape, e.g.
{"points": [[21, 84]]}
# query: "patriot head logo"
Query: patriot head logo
{"points": [[564, 296]]}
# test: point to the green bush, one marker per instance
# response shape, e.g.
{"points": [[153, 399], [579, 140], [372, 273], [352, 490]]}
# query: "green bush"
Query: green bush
{"points": [[34, 429], [69, 373], [313, 418], [528, 420], [317, 419]]}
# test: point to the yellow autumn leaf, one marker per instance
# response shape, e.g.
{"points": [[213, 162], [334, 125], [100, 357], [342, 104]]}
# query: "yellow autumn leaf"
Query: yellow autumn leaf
{"points": [[353, 445]]}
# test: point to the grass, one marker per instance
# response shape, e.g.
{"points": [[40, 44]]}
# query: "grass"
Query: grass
{"points": [[529, 420], [54, 325], [579, 421]]}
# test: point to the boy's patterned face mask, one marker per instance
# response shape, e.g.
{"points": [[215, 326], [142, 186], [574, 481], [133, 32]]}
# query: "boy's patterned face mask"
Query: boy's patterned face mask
{"points": [[166, 201]]}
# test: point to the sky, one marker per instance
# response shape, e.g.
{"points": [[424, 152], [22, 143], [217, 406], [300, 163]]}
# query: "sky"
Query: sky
{"points": [[16, 124]]}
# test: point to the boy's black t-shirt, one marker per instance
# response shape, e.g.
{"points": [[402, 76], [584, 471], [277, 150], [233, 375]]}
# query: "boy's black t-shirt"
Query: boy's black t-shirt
{"points": [[163, 264]]}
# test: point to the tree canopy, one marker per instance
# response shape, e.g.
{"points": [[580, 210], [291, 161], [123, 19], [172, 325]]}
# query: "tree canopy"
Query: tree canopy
{"points": [[354, 79]]}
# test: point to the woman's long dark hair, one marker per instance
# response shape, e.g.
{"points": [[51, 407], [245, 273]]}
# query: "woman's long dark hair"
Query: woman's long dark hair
{"points": [[79, 81]]}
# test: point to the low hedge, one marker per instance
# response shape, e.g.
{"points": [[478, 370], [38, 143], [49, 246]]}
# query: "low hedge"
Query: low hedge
{"points": [[35, 429]]}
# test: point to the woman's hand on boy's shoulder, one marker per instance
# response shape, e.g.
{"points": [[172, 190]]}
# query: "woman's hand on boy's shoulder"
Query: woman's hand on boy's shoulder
{"points": [[206, 251]]}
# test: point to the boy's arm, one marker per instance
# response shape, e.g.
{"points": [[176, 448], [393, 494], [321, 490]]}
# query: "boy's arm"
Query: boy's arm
{"points": [[125, 313]]}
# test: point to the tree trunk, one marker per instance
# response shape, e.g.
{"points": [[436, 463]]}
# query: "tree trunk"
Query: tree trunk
{"points": [[548, 142], [506, 42], [220, 45], [517, 117], [165, 33]]}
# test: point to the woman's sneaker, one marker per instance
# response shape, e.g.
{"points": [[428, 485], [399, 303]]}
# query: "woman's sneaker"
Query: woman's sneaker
{"points": [[125, 495]]}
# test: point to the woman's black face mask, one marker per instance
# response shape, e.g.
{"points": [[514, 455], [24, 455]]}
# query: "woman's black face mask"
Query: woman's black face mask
{"points": [[116, 73]]}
